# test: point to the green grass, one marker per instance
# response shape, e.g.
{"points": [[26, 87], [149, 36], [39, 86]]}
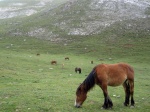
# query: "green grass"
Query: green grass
{"points": [[30, 83]]}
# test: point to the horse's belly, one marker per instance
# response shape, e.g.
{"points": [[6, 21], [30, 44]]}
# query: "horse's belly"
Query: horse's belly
{"points": [[116, 81], [114, 84]]}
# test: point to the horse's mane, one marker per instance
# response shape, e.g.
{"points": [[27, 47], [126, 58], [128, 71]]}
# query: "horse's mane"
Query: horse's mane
{"points": [[88, 83]]}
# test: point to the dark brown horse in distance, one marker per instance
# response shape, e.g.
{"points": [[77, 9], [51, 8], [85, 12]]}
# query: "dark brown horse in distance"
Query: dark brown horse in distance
{"points": [[78, 70], [108, 75], [66, 58], [53, 62]]}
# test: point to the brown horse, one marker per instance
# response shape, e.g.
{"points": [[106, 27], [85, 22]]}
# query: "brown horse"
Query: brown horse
{"points": [[66, 58], [53, 62], [38, 54], [108, 75], [78, 69]]}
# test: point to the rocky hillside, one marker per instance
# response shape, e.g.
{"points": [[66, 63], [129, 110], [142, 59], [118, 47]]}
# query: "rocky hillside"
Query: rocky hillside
{"points": [[15, 8], [83, 17], [93, 16]]}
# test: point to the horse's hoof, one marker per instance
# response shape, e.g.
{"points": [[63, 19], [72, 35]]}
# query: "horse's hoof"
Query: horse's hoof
{"points": [[125, 104], [110, 108], [132, 106], [102, 108]]}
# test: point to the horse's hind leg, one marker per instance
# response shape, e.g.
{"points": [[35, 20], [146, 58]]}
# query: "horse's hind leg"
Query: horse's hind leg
{"points": [[79, 71], [132, 92], [127, 92]]}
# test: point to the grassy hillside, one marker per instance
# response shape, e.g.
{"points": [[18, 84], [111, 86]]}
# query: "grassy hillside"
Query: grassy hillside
{"points": [[30, 83]]}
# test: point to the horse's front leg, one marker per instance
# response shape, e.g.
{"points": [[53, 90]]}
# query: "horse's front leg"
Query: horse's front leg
{"points": [[110, 102], [107, 101]]}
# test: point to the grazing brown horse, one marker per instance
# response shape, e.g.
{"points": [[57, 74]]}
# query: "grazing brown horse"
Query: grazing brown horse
{"points": [[38, 54], [53, 62], [78, 69], [66, 58], [108, 75]]}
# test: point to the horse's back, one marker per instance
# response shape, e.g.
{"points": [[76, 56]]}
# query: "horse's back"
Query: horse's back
{"points": [[128, 69], [114, 74], [115, 68]]}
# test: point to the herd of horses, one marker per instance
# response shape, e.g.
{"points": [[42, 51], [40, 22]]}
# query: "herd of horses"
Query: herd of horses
{"points": [[105, 75], [54, 62], [77, 69]]}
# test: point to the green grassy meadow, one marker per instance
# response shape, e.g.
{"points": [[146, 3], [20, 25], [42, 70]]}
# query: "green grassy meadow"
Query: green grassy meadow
{"points": [[29, 83]]}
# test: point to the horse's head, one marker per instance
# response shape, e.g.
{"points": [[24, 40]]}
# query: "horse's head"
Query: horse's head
{"points": [[81, 96]]}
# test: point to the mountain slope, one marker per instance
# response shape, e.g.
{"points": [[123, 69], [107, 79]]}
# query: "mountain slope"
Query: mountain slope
{"points": [[92, 16], [23, 8], [86, 17]]}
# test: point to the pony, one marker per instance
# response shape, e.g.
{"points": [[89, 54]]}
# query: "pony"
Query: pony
{"points": [[108, 75], [38, 54], [66, 58], [78, 69], [53, 62]]}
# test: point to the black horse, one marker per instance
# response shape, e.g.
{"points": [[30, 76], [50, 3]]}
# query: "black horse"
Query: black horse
{"points": [[78, 69]]}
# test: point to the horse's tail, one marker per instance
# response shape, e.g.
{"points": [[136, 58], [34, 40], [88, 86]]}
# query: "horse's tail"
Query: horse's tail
{"points": [[89, 82]]}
